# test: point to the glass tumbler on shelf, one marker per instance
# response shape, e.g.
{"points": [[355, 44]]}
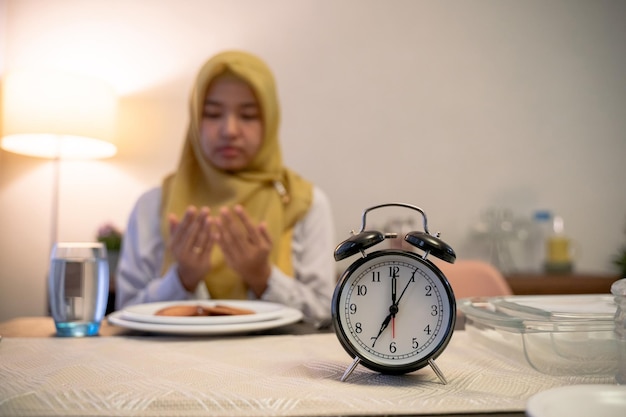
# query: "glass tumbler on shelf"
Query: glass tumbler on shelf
{"points": [[78, 287]]}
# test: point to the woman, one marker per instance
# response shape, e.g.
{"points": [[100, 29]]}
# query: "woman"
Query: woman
{"points": [[232, 222]]}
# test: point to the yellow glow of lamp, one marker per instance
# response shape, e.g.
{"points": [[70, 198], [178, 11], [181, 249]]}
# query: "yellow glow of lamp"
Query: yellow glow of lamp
{"points": [[58, 115]]}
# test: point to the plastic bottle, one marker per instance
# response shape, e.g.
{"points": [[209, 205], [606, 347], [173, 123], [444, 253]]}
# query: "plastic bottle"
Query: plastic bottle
{"points": [[542, 228], [618, 289], [558, 249]]}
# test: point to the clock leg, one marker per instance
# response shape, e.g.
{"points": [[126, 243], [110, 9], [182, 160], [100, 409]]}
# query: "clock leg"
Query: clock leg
{"points": [[350, 369], [436, 369]]}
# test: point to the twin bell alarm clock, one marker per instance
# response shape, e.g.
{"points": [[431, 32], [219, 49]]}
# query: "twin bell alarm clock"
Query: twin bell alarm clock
{"points": [[393, 310]]}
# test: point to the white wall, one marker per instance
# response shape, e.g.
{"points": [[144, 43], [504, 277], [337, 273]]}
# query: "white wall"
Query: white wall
{"points": [[456, 106]]}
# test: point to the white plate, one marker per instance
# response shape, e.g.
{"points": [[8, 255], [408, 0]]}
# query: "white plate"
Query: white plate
{"points": [[287, 316], [145, 313], [579, 400]]}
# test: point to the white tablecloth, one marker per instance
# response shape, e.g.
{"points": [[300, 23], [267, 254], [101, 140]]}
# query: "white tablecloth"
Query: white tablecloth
{"points": [[249, 376]]}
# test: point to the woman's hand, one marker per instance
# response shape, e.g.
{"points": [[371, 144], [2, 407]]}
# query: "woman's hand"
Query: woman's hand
{"points": [[191, 241], [246, 247]]}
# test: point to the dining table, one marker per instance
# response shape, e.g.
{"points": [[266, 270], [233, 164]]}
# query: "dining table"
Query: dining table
{"points": [[291, 370]]}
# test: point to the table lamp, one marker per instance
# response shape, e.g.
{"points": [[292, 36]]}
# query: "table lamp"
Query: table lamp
{"points": [[58, 116]]}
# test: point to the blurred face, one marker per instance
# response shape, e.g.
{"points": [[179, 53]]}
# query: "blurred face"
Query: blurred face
{"points": [[231, 131]]}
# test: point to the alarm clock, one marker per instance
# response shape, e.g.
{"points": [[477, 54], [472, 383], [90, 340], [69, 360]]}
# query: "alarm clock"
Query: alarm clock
{"points": [[393, 310]]}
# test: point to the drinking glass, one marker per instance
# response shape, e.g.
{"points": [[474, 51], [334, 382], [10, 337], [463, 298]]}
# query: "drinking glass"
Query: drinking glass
{"points": [[618, 289], [78, 287]]}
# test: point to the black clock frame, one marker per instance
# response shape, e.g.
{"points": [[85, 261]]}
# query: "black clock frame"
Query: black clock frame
{"points": [[341, 333]]}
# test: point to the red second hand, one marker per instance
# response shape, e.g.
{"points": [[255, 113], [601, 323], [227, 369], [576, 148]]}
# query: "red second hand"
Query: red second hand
{"points": [[393, 327]]}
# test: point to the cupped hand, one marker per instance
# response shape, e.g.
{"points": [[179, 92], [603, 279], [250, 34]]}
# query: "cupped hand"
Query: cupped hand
{"points": [[246, 247], [191, 241]]}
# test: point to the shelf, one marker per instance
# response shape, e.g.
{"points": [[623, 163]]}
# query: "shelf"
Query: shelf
{"points": [[576, 283]]}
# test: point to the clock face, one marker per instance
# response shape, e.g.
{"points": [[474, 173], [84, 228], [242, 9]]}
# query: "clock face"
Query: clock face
{"points": [[394, 310]]}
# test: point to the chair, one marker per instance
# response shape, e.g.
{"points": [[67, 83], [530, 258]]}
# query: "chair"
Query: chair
{"points": [[473, 278]]}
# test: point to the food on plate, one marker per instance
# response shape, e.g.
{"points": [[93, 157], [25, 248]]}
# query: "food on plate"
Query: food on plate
{"points": [[224, 310], [199, 310], [181, 310]]}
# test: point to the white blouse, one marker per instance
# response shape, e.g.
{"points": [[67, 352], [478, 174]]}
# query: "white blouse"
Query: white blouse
{"points": [[139, 279]]}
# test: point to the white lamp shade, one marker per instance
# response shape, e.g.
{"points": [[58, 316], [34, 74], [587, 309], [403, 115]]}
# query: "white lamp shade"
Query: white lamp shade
{"points": [[54, 114]]}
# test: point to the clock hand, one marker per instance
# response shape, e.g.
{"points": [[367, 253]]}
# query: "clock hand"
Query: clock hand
{"points": [[394, 284], [405, 287], [393, 310], [382, 327]]}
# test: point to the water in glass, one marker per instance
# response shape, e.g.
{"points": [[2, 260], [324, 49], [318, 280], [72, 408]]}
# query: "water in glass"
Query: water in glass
{"points": [[78, 287]]}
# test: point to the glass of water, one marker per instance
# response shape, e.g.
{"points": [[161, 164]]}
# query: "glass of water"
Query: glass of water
{"points": [[78, 287]]}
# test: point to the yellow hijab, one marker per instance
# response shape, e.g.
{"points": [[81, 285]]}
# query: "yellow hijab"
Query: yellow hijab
{"points": [[268, 190]]}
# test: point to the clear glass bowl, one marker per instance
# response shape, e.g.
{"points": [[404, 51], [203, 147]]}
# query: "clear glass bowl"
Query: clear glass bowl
{"points": [[556, 334]]}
